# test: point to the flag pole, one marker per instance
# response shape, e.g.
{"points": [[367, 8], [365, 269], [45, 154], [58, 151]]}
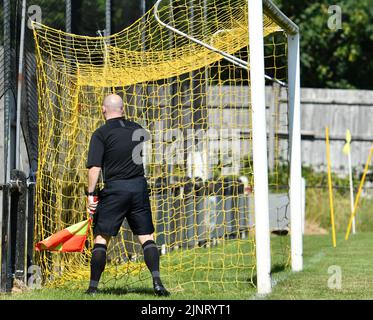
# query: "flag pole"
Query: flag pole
{"points": [[330, 187], [347, 151], [359, 192], [351, 192]]}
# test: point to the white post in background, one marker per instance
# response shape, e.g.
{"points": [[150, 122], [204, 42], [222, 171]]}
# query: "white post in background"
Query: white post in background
{"points": [[295, 153], [108, 18], [352, 201], [68, 16], [259, 141], [19, 86]]}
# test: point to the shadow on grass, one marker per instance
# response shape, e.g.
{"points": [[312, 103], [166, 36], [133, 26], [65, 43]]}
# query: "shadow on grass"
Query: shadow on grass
{"points": [[278, 267], [124, 291]]}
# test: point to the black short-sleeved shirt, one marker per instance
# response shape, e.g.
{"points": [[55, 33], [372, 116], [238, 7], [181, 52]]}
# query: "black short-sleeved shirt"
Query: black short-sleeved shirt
{"points": [[116, 147]]}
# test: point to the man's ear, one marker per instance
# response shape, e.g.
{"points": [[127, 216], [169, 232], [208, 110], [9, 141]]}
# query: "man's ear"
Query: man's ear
{"points": [[103, 109]]}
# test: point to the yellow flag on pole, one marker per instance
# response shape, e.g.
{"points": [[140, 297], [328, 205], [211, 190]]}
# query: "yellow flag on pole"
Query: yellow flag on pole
{"points": [[346, 147]]}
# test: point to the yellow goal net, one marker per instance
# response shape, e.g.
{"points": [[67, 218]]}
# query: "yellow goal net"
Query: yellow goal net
{"points": [[196, 106]]}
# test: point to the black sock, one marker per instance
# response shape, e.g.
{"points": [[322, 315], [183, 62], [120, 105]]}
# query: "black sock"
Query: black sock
{"points": [[151, 257], [98, 262]]}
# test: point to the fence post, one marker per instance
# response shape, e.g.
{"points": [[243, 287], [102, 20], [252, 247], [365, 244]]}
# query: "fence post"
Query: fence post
{"points": [[30, 219], [272, 125], [18, 225], [4, 259]]}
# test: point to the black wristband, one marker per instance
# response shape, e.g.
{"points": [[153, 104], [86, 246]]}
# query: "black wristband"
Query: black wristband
{"points": [[94, 193]]}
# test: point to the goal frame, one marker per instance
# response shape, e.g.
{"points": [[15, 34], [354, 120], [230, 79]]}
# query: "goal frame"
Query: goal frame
{"points": [[256, 8]]}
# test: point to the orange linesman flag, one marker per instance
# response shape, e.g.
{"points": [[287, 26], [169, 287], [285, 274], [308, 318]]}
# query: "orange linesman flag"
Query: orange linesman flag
{"points": [[71, 239]]}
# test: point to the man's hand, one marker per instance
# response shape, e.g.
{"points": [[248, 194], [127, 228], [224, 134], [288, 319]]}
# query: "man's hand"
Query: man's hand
{"points": [[92, 198], [92, 202]]}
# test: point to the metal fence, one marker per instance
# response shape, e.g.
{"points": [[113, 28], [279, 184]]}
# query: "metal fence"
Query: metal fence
{"points": [[16, 229], [16, 194]]}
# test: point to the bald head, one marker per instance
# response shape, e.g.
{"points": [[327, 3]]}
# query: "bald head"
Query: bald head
{"points": [[112, 106]]}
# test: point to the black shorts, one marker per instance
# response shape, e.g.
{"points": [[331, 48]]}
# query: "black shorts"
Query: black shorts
{"points": [[123, 199]]}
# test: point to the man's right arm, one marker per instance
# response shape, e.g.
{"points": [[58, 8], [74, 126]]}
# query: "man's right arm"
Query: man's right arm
{"points": [[96, 151], [94, 164], [93, 174]]}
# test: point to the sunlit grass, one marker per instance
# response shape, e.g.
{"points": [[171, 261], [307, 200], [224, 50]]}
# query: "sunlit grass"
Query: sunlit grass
{"points": [[225, 271]]}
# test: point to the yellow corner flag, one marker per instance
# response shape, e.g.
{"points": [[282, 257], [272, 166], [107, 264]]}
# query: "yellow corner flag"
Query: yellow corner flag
{"points": [[347, 147], [334, 238]]}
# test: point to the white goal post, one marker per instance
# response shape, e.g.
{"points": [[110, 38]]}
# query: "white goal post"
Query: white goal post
{"points": [[292, 31], [256, 8]]}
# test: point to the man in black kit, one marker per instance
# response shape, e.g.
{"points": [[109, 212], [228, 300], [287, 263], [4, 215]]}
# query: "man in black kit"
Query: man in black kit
{"points": [[114, 148]]}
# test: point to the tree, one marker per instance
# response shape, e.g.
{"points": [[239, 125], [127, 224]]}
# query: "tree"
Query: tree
{"points": [[88, 17], [329, 58], [334, 58]]}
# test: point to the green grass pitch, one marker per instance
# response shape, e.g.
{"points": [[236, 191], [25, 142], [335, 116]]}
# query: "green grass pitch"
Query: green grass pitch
{"points": [[351, 257]]}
